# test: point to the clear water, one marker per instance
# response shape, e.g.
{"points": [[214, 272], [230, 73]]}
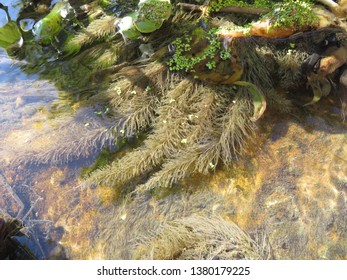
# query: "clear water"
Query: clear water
{"points": [[292, 185], [26, 127]]}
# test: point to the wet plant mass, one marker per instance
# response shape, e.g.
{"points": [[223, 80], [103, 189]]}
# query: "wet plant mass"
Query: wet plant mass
{"points": [[151, 100]]}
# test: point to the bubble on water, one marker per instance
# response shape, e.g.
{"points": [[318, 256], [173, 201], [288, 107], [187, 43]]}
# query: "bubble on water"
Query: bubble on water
{"points": [[26, 24]]}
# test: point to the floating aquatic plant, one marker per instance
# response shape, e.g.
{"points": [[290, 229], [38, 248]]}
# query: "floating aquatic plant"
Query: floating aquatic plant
{"points": [[203, 55], [292, 13], [127, 28], [10, 35], [216, 5], [149, 17], [47, 28]]}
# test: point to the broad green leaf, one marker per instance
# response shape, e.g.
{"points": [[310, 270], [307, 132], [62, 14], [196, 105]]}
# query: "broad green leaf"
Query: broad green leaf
{"points": [[9, 35], [151, 14], [54, 22], [147, 26]]}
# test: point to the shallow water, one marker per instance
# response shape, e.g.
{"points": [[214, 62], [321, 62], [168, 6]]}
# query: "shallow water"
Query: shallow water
{"points": [[291, 185], [21, 96], [291, 188], [25, 128]]}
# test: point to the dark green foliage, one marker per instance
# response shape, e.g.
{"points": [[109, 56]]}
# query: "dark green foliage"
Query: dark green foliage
{"points": [[216, 5], [9, 35], [292, 13], [182, 61]]}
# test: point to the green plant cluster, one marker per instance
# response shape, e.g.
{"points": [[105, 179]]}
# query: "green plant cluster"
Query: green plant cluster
{"points": [[216, 5], [149, 17], [183, 58], [156, 11], [49, 27], [292, 13], [283, 13]]}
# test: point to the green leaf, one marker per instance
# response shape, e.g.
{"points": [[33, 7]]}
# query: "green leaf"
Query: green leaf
{"points": [[152, 14], [147, 26], [54, 22], [9, 34], [259, 101], [127, 28]]}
